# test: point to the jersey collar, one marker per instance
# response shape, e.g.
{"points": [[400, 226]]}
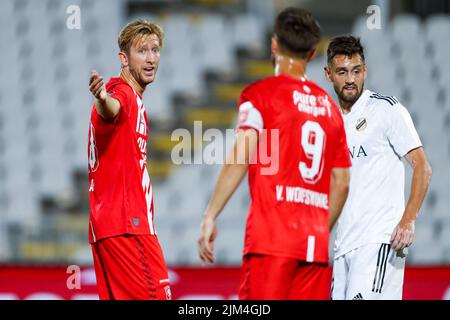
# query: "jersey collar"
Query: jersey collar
{"points": [[360, 102]]}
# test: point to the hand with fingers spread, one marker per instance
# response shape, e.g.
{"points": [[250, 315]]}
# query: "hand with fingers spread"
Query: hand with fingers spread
{"points": [[97, 86], [403, 235], [208, 234], [106, 106]]}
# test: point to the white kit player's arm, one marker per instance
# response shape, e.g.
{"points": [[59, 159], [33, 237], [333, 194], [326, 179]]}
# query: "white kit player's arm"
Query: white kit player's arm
{"points": [[339, 187], [229, 179], [403, 234], [404, 138], [106, 106]]}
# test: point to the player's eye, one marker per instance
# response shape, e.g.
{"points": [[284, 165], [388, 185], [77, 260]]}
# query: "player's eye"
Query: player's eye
{"points": [[155, 50]]}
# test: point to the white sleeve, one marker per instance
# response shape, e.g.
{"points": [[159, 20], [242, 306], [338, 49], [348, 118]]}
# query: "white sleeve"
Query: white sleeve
{"points": [[401, 131], [249, 116]]}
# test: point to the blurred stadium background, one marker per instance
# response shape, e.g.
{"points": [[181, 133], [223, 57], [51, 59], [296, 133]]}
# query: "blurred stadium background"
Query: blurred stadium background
{"points": [[213, 48]]}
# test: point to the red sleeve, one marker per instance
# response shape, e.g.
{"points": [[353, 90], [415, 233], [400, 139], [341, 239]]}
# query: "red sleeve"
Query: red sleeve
{"points": [[251, 108], [253, 93], [342, 155], [121, 93]]}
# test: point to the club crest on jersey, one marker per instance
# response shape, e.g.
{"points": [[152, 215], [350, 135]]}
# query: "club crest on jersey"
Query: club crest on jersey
{"points": [[361, 124], [243, 116]]}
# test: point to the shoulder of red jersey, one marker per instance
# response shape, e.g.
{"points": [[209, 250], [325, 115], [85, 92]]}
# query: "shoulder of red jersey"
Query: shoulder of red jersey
{"points": [[255, 86], [269, 82], [258, 90], [120, 90], [316, 88], [119, 84], [272, 82], [261, 88], [319, 91]]}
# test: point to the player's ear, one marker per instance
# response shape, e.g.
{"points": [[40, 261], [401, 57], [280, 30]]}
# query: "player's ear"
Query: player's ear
{"points": [[274, 46], [365, 71], [123, 59], [327, 71], [311, 55]]}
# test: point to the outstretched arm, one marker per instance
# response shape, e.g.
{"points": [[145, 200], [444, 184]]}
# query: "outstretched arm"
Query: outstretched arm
{"points": [[403, 234], [339, 187], [229, 179], [106, 106]]}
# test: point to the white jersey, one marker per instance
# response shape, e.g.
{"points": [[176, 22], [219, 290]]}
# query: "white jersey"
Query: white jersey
{"points": [[380, 132]]}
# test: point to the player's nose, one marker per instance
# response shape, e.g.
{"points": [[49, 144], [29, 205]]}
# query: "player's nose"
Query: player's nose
{"points": [[151, 58], [350, 78], [350, 81]]}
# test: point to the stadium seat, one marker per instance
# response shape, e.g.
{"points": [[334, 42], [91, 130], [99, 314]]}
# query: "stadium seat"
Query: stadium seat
{"points": [[445, 235], [437, 27], [157, 101], [371, 38], [405, 29], [316, 73], [247, 32], [229, 246], [421, 251], [211, 34]]}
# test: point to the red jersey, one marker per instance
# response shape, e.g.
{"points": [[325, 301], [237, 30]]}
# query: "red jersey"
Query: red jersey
{"points": [[302, 139], [120, 191]]}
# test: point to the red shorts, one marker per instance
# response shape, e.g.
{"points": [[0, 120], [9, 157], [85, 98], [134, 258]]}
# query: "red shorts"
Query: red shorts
{"points": [[267, 277], [131, 267]]}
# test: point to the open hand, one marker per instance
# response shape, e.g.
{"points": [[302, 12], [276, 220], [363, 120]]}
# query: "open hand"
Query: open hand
{"points": [[97, 86]]}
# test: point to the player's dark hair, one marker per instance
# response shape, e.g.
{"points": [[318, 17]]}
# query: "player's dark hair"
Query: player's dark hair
{"points": [[346, 45], [297, 32]]}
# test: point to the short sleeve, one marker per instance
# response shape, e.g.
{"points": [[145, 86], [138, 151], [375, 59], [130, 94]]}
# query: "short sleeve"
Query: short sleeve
{"points": [[251, 108], [249, 117], [401, 132], [342, 155], [120, 93]]}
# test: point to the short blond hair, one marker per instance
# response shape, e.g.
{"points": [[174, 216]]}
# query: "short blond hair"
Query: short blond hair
{"points": [[137, 30]]}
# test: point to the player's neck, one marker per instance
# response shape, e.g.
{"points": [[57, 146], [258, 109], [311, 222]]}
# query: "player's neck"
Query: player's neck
{"points": [[293, 67], [126, 75], [346, 107]]}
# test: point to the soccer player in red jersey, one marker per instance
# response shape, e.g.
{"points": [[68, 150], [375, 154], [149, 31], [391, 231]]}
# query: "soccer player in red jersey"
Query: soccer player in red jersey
{"points": [[128, 259], [293, 206]]}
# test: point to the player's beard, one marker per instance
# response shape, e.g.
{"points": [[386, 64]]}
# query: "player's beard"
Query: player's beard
{"points": [[140, 79], [351, 99]]}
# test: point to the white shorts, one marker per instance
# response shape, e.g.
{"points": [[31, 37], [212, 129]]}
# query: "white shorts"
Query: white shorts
{"points": [[371, 272]]}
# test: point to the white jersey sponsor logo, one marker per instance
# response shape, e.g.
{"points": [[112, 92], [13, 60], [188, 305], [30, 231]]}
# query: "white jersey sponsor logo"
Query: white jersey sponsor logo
{"points": [[316, 106]]}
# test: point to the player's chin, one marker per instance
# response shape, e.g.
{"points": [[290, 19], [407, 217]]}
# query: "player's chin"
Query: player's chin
{"points": [[146, 79], [350, 97]]}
